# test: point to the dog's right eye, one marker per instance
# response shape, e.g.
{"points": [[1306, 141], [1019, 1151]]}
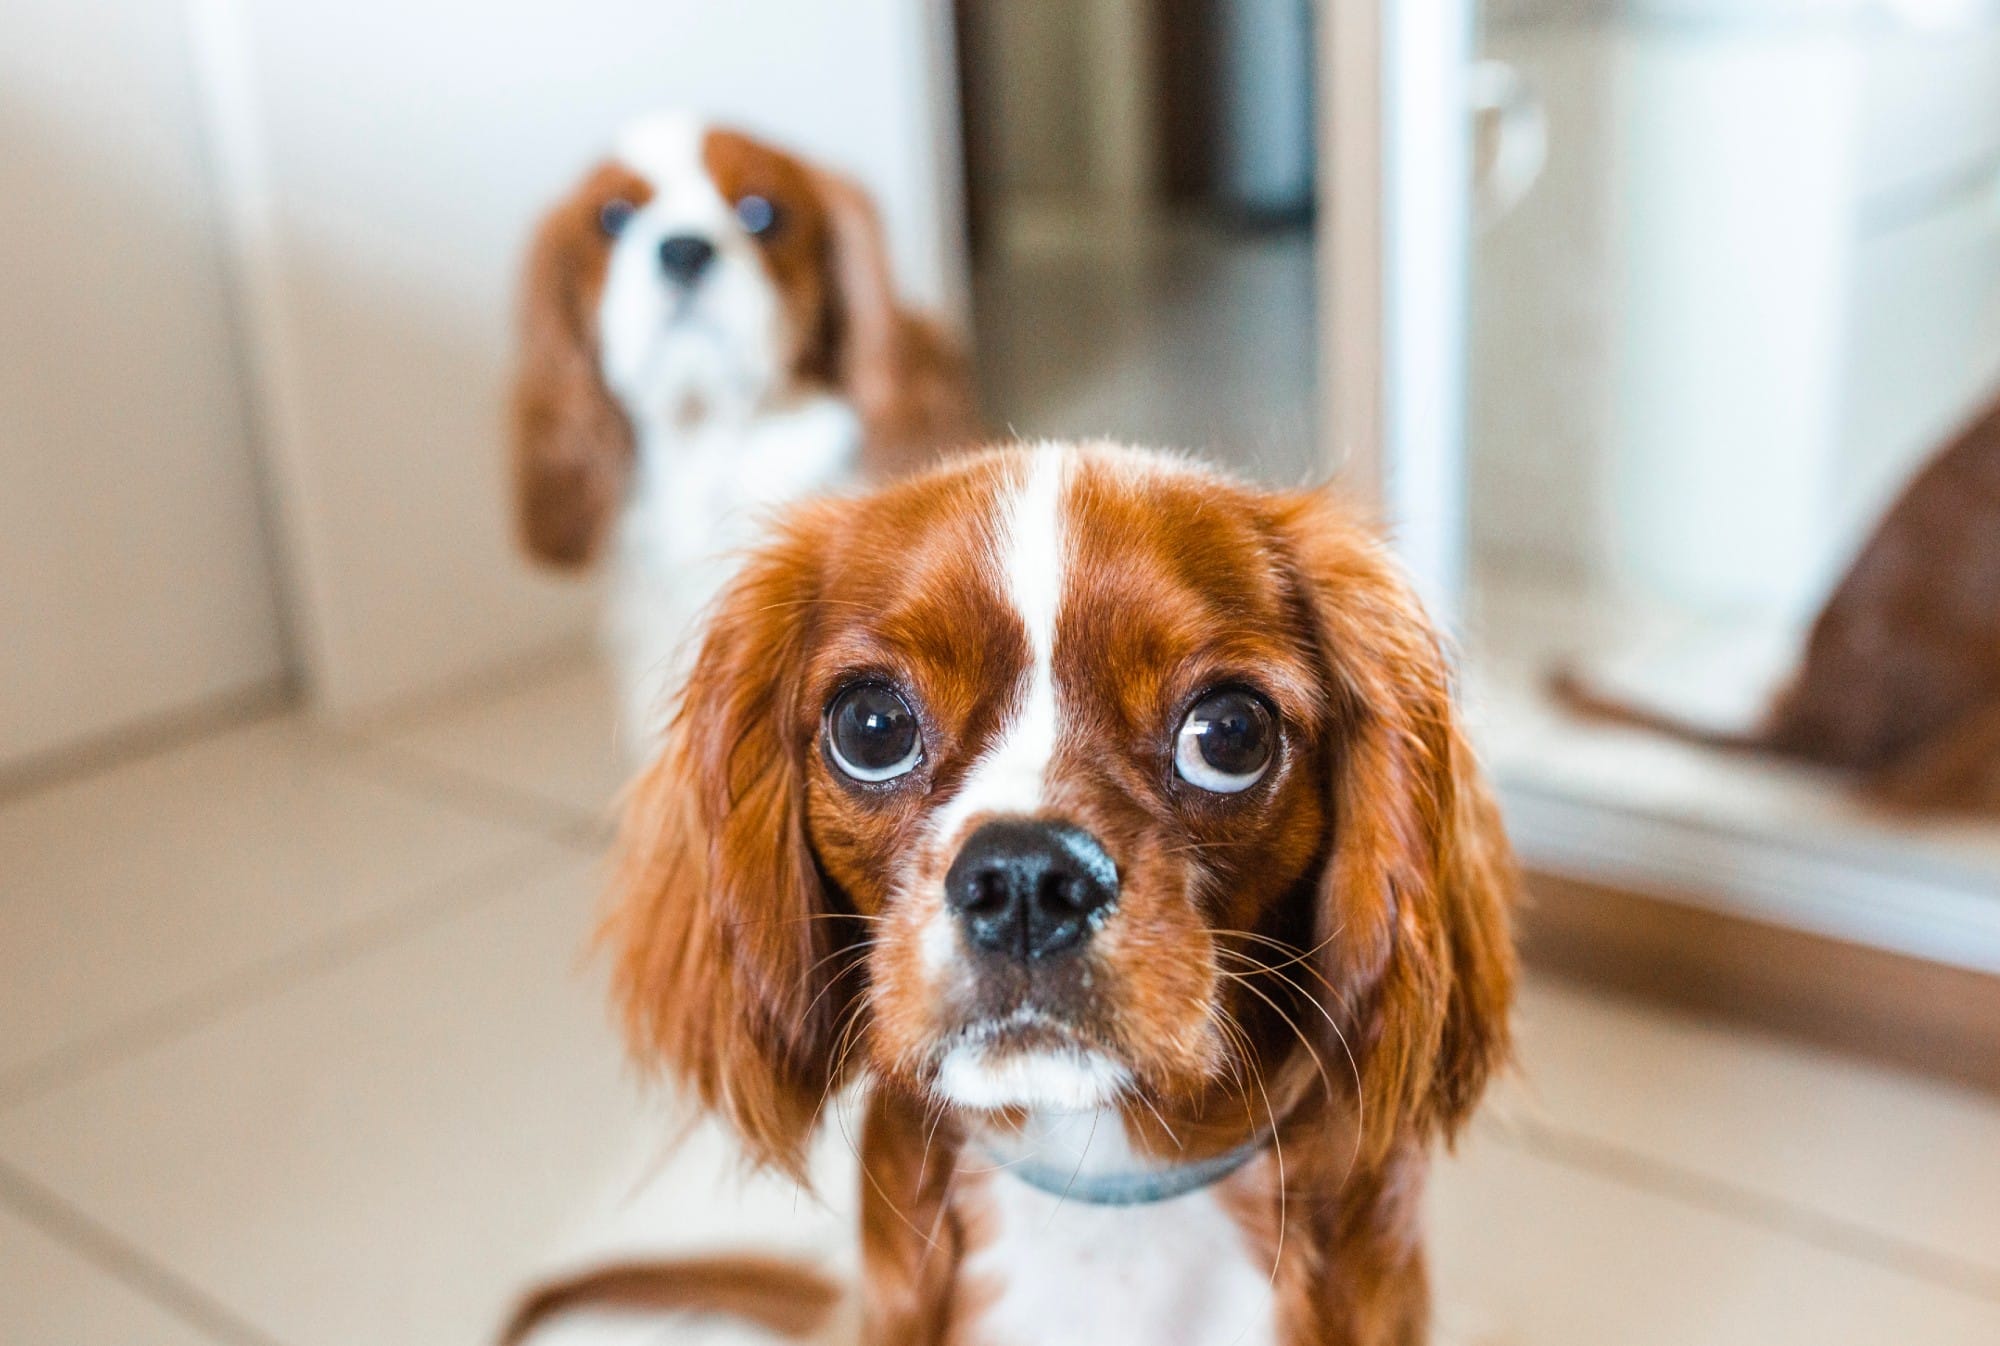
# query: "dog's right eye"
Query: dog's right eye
{"points": [[1226, 743], [872, 734], [614, 215]]}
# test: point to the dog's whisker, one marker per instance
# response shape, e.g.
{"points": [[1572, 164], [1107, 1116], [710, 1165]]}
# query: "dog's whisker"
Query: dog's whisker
{"points": [[809, 916], [1326, 1079], [1297, 958], [1083, 1156], [1347, 1049], [1140, 1094], [1273, 969], [848, 1022], [1238, 1057], [859, 953]]}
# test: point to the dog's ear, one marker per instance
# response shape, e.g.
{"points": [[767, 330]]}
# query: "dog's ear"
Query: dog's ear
{"points": [[908, 379], [722, 963], [1416, 899], [862, 319], [572, 444]]}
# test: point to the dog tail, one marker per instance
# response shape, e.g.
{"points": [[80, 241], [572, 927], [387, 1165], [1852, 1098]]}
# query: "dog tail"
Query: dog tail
{"points": [[1573, 691], [786, 1299]]}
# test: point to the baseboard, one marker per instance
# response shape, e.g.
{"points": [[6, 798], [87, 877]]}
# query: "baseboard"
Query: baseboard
{"points": [[1906, 1012]]}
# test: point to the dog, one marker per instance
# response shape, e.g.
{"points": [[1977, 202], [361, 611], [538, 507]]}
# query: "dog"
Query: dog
{"points": [[1898, 683], [1106, 823], [709, 329]]}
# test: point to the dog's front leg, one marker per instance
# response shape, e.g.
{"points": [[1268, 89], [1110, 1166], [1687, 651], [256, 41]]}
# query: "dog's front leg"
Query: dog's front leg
{"points": [[1353, 1271], [911, 1244]]}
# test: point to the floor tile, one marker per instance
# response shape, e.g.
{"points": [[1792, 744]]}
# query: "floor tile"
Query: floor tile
{"points": [[150, 881], [1530, 1252], [1197, 336], [378, 1155], [50, 1295], [1905, 1159], [549, 740]]}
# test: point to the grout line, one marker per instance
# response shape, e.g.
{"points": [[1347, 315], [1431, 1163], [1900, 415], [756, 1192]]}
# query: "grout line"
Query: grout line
{"points": [[265, 979], [118, 748], [125, 1262], [494, 801], [524, 672], [1831, 1233]]}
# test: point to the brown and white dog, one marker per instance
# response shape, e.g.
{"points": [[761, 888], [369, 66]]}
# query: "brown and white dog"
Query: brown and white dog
{"points": [[1898, 681], [1108, 823], [709, 329]]}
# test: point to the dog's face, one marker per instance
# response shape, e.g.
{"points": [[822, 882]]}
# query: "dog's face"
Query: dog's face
{"points": [[1063, 778], [696, 273], [715, 276]]}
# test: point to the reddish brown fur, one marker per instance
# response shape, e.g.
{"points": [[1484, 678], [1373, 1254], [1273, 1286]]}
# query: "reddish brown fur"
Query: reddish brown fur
{"points": [[752, 873], [1900, 682], [780, 1297], [908, 380], [1905, 657], [572, 444]]}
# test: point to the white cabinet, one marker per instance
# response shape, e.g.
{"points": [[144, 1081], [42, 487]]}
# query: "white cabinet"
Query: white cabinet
{"points": [[1759, 279]]}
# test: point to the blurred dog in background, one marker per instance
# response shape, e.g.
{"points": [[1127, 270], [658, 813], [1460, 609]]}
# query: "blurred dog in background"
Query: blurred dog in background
{"points": [[710, 329]]}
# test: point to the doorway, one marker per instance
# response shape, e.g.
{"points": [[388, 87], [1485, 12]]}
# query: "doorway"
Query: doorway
{"points": [[1139, 187]]}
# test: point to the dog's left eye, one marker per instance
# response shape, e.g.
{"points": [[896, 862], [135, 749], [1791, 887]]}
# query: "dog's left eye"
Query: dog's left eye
{"points": [[1226, 743], [614, 215], [872, 733], [757, 214]]}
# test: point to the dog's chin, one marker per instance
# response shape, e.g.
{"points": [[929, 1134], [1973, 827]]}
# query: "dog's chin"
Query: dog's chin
{"points": [[1028, 1066]]}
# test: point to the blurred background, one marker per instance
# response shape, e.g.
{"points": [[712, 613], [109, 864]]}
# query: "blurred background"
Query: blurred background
{"points": [[1630, 318]]}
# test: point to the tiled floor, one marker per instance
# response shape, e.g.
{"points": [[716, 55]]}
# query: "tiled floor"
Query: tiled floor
{"points": [[1183, 335], [299, 1049]]}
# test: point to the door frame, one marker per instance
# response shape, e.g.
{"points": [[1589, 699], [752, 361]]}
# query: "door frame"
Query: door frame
{"points": [[1395, 191], [1395, 210]]}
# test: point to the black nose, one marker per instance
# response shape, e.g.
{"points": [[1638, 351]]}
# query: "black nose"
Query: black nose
{"points": [[685, 257], [1030, 890]]}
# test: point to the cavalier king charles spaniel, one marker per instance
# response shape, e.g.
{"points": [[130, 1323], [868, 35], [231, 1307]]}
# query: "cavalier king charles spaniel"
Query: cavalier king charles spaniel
{"points": [[1105, 825], [709, 329]]}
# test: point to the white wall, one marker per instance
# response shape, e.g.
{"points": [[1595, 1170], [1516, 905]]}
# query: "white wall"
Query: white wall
{"points": [[384, 161], [134, 580]]}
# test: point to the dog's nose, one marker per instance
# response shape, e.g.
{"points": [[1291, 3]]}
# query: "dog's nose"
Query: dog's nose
{"points": [[1030, 890], [685, 256]]}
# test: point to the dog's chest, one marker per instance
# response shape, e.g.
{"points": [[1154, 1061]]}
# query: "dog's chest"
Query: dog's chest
{"points": [[1046, 1271], [703, 489]]}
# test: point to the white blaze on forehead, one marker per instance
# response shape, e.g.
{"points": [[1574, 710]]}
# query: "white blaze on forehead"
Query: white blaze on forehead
{"points": [[1010, 776], [666, 150], [671, 353]]}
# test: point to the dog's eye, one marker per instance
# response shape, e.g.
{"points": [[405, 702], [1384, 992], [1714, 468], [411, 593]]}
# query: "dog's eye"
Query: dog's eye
{"points": [[757, 214], [614, 215], [1225, 743], [872, 733]]}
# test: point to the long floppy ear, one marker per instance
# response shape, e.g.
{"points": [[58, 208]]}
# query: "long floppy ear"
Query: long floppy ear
{"points": [[572, 444], [908, 379], [1418, 892], [722, 963]]}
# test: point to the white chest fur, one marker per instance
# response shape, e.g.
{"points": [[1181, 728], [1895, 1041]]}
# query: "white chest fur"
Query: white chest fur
{"points": [[1178, 1272], [701, 495]]}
